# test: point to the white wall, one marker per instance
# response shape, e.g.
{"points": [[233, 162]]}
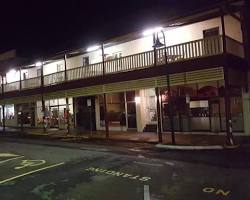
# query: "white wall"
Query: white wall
{"points": [[52, 67], [173, 36], [233, 28], [94, 57]]}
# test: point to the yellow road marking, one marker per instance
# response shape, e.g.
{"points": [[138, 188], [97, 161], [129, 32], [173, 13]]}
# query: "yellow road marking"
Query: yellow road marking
{"points": [[30, 163], [8, 155], [216, 191], [4, 161], [31, 172]]}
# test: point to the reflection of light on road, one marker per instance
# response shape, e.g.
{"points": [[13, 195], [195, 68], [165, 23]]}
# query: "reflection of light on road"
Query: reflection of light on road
{"points": [[146, 192]]}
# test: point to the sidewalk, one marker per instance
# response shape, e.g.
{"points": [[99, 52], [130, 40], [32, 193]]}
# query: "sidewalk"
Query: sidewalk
{"points": [[182, 139]]}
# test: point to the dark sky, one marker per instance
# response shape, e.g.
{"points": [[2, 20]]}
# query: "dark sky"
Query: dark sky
{"points": [[41, 27]]}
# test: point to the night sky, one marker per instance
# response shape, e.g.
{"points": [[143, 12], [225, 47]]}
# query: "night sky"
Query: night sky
{"points": [[41, 27]]}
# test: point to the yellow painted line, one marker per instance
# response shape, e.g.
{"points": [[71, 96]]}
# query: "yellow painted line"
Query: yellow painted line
{"points": [[31, 172], [4, 161], [8, 155]]}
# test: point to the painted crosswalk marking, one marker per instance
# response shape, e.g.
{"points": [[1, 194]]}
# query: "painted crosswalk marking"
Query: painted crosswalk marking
{"points": [[146, 192]]}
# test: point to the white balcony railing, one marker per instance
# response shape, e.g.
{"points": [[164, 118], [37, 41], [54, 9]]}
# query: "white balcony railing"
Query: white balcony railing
{"points": [[31, 83], [12, 86], [177, 53], [54, 78]]}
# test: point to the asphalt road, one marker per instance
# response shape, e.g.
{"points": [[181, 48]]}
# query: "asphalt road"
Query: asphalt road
{"points": [[41, 172]]}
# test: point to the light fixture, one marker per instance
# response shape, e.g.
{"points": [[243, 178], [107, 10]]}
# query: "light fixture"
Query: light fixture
{"points": [[151, 31], [38, 64], [93, 48], [137, 100]]}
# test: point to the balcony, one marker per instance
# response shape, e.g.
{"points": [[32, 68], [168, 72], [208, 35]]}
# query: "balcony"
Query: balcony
{"points": [[177, 53]]}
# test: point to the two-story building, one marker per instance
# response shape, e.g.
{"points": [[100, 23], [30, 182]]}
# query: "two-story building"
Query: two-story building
{"points": [[188, 74]]}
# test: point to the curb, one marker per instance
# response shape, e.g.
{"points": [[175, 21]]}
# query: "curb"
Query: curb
{"points": [[181, 147]]}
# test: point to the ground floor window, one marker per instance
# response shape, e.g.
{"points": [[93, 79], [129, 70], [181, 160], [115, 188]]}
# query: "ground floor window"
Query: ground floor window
{"points": [[26, 114], [55, 113], [115, 109], [201, 107], [9, 112]]}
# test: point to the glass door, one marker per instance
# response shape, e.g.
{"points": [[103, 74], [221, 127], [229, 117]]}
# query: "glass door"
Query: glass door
{"points": [[54, 121], [131, 110]]}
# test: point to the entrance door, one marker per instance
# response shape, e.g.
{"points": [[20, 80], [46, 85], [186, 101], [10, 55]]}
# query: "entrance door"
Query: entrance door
{"points": [[215, 116], [54, 121], [85, 114], [131, 114]]}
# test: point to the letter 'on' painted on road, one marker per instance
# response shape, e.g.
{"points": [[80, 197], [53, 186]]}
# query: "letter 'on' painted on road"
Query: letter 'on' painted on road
{"points": [[216, 191], [222, 192]]}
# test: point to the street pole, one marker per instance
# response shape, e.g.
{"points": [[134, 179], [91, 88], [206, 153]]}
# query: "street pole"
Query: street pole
{"points": [[43, 102], [67, 99], [20, 88], [170, 105], [3, 106], [159, 124], [227, 87], [104, 95]]}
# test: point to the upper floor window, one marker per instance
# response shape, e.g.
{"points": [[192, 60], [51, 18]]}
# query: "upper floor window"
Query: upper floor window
{"points": [[60, 67], [39, 72], [117, 55], [25, 75], [85, 61], [211, 32]]}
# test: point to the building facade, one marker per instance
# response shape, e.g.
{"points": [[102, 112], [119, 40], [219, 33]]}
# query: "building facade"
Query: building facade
{"points": [[189, 75]]}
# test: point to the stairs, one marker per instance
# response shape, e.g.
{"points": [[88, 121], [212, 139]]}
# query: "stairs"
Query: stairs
{"points": [[150, 128]]}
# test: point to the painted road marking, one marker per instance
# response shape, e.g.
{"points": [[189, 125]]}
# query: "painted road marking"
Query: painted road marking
{"points": [[136, 150], [149, 164], [4, 161], [8, 155], [30, 163], [169, 163], [216, 191], [146, 192], [118, 174], [31, 172], [140, 156]]}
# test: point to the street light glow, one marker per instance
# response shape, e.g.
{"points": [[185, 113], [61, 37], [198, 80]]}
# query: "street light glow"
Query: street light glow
{"points": [[151, 31], [38, 64], [93, 48]]}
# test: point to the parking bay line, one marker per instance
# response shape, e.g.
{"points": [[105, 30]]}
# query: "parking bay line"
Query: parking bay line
{"points": [[31, 172], [4, 161], [146, 192]]}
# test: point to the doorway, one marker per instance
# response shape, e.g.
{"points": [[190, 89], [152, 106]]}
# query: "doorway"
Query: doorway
{"points": [[131, 110], [54, 121], [85, 113]]}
